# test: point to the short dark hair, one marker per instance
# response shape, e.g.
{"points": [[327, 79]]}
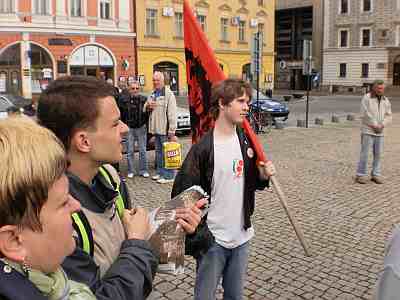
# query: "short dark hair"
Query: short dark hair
{"points": [[71, 102], [227, 90]]}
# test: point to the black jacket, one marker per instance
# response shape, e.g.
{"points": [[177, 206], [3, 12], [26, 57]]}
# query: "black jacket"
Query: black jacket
{"points": [[15, 286], [198, 169], [131, 108], [131, 275]]}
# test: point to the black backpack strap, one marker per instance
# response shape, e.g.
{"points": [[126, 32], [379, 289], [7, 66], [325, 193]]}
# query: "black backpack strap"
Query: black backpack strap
{"points": [[85, 236]]}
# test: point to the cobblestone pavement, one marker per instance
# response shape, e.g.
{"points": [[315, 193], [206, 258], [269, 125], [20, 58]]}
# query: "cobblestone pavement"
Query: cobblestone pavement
{"points": [[346, 224]]}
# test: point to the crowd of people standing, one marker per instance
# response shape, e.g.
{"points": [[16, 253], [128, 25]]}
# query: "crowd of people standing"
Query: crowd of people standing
{"points": [[69, 228]]}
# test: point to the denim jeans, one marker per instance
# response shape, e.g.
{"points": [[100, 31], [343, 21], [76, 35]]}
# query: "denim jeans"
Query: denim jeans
{"points": [[163, 172], [230, 264], [139, 134], [376, 142]]}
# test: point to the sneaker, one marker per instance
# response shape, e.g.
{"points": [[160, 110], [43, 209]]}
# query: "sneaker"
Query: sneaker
{"points": [[377, 179], [156, 177], [130, 175], [145, 175], [163, 180], [361, 179]]}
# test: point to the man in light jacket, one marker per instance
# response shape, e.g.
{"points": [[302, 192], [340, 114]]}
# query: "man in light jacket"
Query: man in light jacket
{"points": [[376, 114], [162, 123]]}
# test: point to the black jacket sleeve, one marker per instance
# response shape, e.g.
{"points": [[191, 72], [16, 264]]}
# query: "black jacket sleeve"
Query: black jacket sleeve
{"points": [[189, 174], [129, 277]]}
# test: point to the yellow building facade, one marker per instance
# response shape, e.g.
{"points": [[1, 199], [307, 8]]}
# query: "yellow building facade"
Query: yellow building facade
{"points": [[229, 26]]}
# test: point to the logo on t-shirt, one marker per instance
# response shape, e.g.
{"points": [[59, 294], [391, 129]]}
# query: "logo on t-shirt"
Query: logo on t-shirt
{"points": [[238, 167]]}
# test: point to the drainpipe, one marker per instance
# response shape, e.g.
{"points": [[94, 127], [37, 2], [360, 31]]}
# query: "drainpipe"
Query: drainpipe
{"points": [[135, 39]]}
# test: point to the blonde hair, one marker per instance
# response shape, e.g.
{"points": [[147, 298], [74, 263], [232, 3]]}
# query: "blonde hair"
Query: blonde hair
{"points": [[32, 160]]}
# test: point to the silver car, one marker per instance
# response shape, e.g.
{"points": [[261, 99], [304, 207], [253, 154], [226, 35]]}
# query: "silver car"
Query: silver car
{"points": [[183, 120]]}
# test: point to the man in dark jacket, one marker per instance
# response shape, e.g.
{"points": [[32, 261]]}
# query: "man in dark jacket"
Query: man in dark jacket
{"points": [[120, 264], [223, 163], [136, 118]]}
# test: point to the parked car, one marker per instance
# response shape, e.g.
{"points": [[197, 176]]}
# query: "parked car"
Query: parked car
{"points": [[183, 120], [9, 102], [270, 105]]}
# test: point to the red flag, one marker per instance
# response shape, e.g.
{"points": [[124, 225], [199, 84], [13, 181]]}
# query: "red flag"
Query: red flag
{"points": [[202, 71]]}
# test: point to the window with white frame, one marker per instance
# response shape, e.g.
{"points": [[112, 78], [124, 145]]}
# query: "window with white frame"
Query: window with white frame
{"points": [[242, 31], [366, 5], [42, 7], [364, 70], [366, 37], [76, 8], [151, 21], [343, 38], [224, 29], [342, 70], [178, 24], [105, 9], [7, 6], [344, 6], [202, 21]]}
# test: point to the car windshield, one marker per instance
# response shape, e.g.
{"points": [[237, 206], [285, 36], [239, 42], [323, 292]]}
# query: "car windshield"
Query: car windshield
{"points": [[4, 104]]}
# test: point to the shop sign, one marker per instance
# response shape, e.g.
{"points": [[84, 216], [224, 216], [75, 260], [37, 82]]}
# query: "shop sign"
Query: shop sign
{"points": [[26, 72], [61, 67], [60, 42], [131, 79], [141, 80], [47, 73]]}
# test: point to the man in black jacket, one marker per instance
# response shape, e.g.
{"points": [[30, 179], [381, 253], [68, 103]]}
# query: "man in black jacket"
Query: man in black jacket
{"points": [[136, 118], [120, 264], [223, 163]]}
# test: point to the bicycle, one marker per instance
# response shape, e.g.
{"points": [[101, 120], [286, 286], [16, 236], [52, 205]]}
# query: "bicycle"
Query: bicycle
{"points": [[260, 121]]}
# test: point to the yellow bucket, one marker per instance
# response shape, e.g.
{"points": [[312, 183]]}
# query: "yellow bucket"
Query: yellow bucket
{"points": [[172, 155]]}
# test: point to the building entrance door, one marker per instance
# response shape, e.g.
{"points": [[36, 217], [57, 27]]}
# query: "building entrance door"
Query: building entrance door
{"points": [[91, 72], [396, 74]]}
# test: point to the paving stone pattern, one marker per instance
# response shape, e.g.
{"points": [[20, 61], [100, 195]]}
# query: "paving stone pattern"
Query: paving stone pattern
{"points": [[346, 224]]}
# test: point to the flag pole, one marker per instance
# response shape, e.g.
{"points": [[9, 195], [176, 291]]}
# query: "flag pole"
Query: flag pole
{"points": [[296, 227], [281, 196]]}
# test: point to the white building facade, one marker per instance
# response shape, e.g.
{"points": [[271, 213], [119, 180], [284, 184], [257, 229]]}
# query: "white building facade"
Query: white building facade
{"points": [[361, 44]]}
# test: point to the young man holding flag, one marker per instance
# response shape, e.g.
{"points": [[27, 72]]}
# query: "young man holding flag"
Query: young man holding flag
{"points": [[223, 163]]}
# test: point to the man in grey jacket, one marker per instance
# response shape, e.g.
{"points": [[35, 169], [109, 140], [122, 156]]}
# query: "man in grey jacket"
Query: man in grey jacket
{"points": [[376, 114]]}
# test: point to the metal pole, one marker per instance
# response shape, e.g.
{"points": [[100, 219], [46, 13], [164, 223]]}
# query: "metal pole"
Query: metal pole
{"points": [[258, 74], [308, 95]]}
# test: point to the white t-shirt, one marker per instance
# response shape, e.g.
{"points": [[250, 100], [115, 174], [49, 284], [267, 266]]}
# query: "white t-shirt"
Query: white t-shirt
{"points": [[226, 215]]}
